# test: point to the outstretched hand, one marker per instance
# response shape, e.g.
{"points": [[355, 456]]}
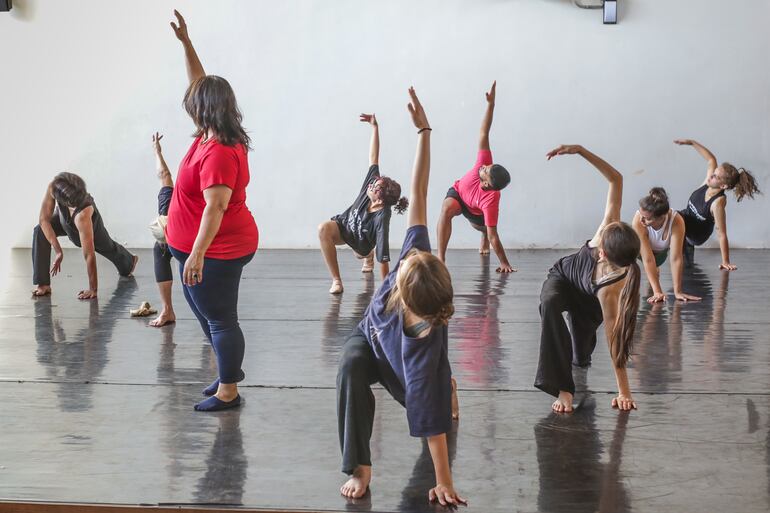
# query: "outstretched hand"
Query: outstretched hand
{"points": [[368, 118], [180, 31], [156, 142], [491, 94], [564, 149], [683, 142], [419, 118]]}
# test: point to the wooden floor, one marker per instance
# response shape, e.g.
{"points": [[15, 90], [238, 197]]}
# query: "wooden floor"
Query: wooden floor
{"points": [[97, 407]]}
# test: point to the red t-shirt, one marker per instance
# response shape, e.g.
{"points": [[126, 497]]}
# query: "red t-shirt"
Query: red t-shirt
{"points": [[479, 201], [205, 165]]}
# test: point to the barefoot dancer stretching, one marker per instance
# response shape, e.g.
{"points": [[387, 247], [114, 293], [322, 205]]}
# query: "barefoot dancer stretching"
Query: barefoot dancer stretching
{"points": [[69, 210], [477, 197], [160, 253], [661, 229], [598, 283], [366, 223], [706, 207], [402, 344]]}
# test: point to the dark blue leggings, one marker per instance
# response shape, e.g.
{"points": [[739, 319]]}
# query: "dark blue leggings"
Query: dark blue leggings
{"points": [[214, 302]]}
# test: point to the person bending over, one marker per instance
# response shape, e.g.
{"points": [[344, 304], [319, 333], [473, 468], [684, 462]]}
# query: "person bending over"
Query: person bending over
{"points": [[477, 197], [365, 225], [69, 210], [598, 283], [706, 207], [402, 344], [661, 230]]}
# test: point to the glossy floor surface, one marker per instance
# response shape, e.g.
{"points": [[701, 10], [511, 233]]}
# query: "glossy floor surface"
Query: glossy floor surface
{"points": [[97, 407]]}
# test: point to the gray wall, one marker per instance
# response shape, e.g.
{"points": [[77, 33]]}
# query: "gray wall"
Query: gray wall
{"points": [[85, 83]]}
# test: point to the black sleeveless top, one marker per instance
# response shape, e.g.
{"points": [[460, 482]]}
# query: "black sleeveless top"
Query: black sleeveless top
{"points": [[578, 269], [698, 219], [67, 220]]}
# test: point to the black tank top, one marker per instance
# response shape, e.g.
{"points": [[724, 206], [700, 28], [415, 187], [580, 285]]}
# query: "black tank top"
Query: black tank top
{"points": [[68, 220], [578, 269], [698, 219]]}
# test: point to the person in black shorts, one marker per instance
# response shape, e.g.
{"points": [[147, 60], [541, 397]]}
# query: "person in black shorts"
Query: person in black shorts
{"points": [[706, 207], [364, 226], [164, 277]]}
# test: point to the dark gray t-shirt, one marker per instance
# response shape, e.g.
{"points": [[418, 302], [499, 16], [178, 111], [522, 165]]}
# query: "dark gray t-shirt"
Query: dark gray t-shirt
{"points": [[415, 371], [363, 230]]}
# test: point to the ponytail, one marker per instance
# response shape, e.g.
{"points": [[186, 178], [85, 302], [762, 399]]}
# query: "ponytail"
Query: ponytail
{"points": [[401, 205], [622, 337], [741, 181]]}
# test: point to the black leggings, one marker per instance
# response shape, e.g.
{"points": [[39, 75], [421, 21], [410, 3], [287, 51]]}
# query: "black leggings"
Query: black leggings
{"points": [[355, 401], [162, 260], [562, 346]]}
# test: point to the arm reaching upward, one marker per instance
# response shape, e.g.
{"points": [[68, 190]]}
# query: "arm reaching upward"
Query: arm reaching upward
{"points": [[711, 160], [486, 123], [160, 163], [615, 179], [421, 170], [374, 142], [193, 63]]}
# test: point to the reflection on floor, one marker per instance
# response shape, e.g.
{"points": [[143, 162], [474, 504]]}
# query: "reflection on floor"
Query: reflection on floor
{"points": [[97, 407]]}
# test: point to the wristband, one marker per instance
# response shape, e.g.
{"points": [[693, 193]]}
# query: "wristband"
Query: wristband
{"points": [[424, 129]]}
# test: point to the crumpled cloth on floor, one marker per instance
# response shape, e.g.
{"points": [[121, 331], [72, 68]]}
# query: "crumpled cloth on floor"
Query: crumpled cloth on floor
{"points": [[143, 311]]}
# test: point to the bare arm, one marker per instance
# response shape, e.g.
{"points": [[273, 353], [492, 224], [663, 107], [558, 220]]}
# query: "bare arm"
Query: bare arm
{"points": [[648, 259], [711, 160], [384, 269], [44, 220], [160, 163], [444, 491], [374, 142], [486, 123], [615, 179], [86, 231], [608, 299], [418, 215], [720, 219], [192, 62], [217, 198], [677, 260], [497, 246]]}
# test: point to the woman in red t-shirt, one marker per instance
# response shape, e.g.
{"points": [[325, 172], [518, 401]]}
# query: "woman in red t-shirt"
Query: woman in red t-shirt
{"points": [[210, 229]]}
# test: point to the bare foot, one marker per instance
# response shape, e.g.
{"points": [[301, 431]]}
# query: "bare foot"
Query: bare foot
{"points": [[455, 402], [564, 403], [368, 263], [165, 317], [484, 248], [133, 266], [41, 290], [356, 486], [336, 287]]}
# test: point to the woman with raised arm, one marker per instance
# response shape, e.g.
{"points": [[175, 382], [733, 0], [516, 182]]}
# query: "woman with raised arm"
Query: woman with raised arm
{"points": [[160, 253], [706, 207], [661, 230], [598, 283], [477, 196], [69, 210], [210, 230], [402, 344], [365, 225]]}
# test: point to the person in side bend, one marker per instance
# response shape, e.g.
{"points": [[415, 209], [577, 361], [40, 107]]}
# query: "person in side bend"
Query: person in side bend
{"points": [[598, 283], [402, 344], [706, 207], [69, 210], [210, 230], [365, 225], [477, 197], [661, 229], [160, 252]]}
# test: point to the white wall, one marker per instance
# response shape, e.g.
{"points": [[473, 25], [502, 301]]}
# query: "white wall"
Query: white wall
{"points": [[84, 83]]}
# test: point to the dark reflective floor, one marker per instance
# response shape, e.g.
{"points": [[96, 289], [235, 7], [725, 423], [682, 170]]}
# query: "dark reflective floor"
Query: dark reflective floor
{"points": [[97, 407]]}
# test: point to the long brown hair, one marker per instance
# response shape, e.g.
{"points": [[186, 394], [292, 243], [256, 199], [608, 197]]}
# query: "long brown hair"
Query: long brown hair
{"points": [[741, 181], [424, 286], [621, 245], [389, 192], [210, 102], [69, 190]]}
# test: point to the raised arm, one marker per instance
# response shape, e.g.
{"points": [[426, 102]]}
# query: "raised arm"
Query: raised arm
{"points": [[160, 163], [615, 179], [486, 123], [374, 142], [194, 66], [711, 160], [420, 172]]}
